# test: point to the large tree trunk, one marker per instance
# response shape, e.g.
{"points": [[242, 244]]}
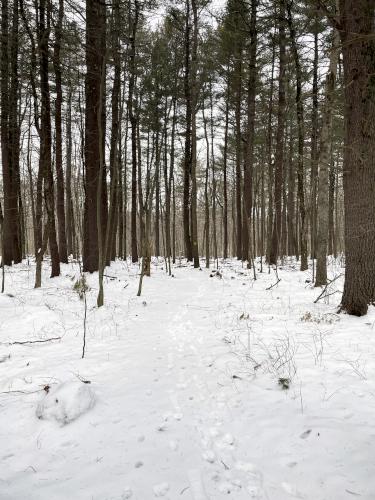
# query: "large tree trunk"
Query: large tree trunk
{"points": [[10, 133], [95, 52], [357, 30]]}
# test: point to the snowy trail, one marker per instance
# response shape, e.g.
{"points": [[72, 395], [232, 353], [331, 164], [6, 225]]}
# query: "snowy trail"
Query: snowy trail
{"points": [[180, 411]]}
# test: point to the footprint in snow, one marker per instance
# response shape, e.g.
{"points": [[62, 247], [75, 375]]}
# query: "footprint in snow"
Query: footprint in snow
{"points": [[227, 441], [161, 489], [291, 489], [254, 479], [173, 445], [229, 486], [127, 494], [209, 456]]}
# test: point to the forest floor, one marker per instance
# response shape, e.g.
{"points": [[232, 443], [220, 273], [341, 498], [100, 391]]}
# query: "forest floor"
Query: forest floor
{"points": [[205, 387]]}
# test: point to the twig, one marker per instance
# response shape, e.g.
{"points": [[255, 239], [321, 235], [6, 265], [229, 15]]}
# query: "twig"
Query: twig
{"points": [[30, 341], [326, 286], [21, 392], [271, 286]]}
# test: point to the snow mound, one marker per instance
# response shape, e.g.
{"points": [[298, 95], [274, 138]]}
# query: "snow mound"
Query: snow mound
{"points": [[66, 402]]}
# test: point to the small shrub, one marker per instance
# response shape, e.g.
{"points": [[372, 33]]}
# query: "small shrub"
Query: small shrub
{"points": [[81, 286]]}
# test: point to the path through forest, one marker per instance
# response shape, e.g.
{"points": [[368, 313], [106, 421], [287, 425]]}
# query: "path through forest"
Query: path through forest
{"points": [[188, 402]]}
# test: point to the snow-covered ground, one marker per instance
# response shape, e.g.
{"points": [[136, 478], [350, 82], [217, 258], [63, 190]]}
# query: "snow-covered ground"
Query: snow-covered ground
{"points": [[183, 393]]}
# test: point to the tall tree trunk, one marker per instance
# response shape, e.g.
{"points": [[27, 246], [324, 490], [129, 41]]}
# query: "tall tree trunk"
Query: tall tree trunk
{"points": [[301, 141], [133, 125], [60, 205], [14, 136], [358, 17], [45, 160], [213, 168], [225, 172], [95, 54], [10, 133], [314, 141], [249, 156], [279, 160], [115, 125], [291, 197], [194, 105], [324, 164], [270, 212], [206, 198], [157, 188], [331, 206], [238, 97], [68, 179], [188, 152]]}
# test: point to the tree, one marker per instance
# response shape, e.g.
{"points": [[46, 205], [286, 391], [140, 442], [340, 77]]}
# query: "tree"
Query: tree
{"points": [[279, 160], [95, 55], [356, 25], [324, 163], [60, 205], [10, 131]]}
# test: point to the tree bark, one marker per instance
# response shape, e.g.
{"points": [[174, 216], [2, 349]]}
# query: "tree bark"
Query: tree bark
{"points": [[250, 136], [45, 160], [60, 205], [279, 160], [95, 53], [133, 125], [188, 152], [324, 164], [357, 31], [194, 105], [301, 141]]}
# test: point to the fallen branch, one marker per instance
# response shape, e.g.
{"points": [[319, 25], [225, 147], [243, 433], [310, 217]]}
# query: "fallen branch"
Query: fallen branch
{"points": [[271, 286], [325, 288], [30, 341], [22, 392]]}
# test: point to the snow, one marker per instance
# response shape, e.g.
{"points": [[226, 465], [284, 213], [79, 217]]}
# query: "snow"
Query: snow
{"points": [[186, 385], [66, 402]]}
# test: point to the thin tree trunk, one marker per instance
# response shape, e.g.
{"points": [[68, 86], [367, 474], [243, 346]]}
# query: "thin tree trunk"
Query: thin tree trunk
{"points": [[188, 152], [60, 205], [301, 141], [249, 156], [314, 141], [270, 213], [279, 160], [225, 169], [45, 160], [324, 163], [194, 104], [133, 125]]}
